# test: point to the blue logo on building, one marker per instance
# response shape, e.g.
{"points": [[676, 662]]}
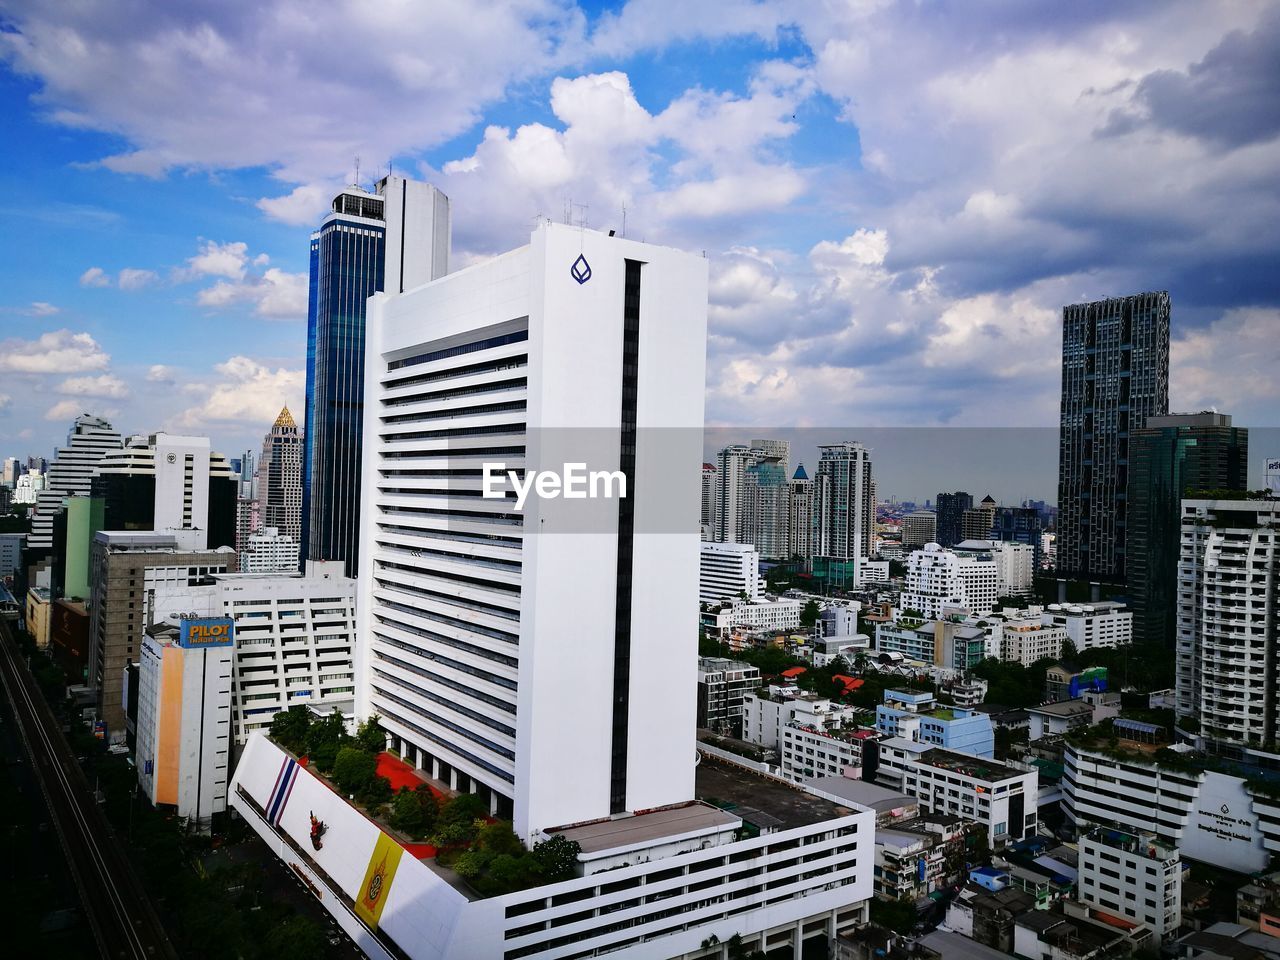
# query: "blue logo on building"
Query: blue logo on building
{"points": [[581, 270]]}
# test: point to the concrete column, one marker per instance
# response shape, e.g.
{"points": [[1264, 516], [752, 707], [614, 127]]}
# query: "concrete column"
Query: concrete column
{"points": [[493, 803], [453, 778], [435, 768], [797, 940]]}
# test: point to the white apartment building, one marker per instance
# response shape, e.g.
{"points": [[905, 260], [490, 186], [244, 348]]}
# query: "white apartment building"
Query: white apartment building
{"points": [[727, 572], [1209, 815], [1015, 564], [766, 715], [938, 579], [1091, 625], [27, 487], [765, 614], [184, 716], [809, 751], [1133, 876], [71, 473], [1228, 588], [946, 781], [295, 637], [1024, 637], [269, 551]]}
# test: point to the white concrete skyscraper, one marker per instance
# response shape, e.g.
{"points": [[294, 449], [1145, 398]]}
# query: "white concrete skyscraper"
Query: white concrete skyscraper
{"points": [[844, 511], [520, 652], [71, 473]]}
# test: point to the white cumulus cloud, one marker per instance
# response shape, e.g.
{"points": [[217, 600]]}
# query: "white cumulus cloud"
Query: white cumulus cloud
{"points": [[105, 385], [95, 277], [60, 351], [243, 390]]}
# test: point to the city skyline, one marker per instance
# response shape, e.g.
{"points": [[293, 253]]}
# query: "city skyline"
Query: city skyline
{"points": [[855, 260]]}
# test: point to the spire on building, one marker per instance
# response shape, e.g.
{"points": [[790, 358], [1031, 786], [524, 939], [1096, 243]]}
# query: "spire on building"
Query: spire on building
{"points": [[285, 420], [800, 473]]}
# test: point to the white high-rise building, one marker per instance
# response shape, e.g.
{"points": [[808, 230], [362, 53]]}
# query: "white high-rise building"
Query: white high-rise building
{"points": [[70, 475], [844, 511], [177, 474], [727, 571], [280, 477], [1228, 642], [576, 348], [528, 647], [938, 578], [708, 501], [735, 511]]}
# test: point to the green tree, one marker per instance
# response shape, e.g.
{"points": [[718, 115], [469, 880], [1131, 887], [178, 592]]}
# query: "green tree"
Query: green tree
{"points": [[498, 838], [896, 915], [289, 728], [809, 615], [354, 770], [557, 858], [369, 736], [324, 738], [295, 938], [415, 811]]}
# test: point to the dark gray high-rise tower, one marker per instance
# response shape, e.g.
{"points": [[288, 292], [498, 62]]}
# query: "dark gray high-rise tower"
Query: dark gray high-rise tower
{"points": [[1115, 374], [391, 240]]}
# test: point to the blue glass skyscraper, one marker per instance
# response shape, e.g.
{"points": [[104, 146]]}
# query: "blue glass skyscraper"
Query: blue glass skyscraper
{"points": [[394, 239]]}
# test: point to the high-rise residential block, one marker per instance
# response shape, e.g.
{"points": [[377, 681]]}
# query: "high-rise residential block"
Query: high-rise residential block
{"points": [[735, 506], [1228, 627], [1169, 458], [844, 513], [394, 239], [280, 477], [800, 515], [1115, 374], [976, 522], [708, 514], [919, 527], [951, 508], [71, 473]]}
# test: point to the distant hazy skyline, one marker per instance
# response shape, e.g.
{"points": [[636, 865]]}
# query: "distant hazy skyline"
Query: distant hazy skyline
{"points": [[895, 198]]}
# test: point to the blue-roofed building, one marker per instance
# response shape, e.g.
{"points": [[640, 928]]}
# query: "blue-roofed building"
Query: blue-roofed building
{"points": [[917, 716]]}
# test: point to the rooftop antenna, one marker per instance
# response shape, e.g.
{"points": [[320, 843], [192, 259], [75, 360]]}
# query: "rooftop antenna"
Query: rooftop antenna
{"points": [[578, 207], [624, 219], [357, 181]]}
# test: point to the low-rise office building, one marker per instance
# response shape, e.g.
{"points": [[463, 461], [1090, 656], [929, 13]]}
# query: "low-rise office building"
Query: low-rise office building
{"points": [[766, 713], [918, 716], [1092, 625], [808, 751], [1001, 798]]}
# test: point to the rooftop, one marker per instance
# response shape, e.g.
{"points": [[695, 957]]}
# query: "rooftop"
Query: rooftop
{"points": [[1063, 708], [961, 763], [860, 792], [646, 828], [740, 792], [956, 946]]}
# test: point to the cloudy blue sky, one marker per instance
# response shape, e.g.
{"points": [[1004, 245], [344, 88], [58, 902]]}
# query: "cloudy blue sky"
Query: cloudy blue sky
{"points": [[896, 197]]}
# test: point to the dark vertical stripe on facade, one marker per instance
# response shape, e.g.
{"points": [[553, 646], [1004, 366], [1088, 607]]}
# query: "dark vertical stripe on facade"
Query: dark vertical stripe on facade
{"points": [[626, 538], [404, 209]]}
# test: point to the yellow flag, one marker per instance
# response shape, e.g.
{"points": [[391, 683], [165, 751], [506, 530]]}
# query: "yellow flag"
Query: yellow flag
{"points": [[372, 895]]}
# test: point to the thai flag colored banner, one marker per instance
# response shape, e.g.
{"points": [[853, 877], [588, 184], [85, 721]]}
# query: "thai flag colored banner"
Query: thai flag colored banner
{"points": [[279, 798]]}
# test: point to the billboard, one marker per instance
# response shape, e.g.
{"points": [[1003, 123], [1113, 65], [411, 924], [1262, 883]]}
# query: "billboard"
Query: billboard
{"points": [[206, 632], [1093, 678], [1272, 473]]}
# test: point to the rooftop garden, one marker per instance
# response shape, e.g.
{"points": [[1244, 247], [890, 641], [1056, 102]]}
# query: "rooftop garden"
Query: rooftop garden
{"points": [[455, 830]]}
